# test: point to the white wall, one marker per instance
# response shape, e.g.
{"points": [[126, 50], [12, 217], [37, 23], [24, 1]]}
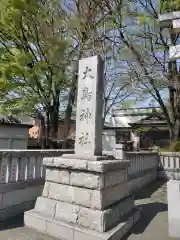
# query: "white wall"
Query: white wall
{"points": [[13, 137], [109, 139]]}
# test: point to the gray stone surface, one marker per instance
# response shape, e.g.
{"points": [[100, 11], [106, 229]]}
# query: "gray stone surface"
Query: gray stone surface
{"points": [[45, 205], [45, 192], [15, 210], [34, 152], [58, 176], [20, 195], [173, 192], [90, 218], [104, 220], [90, 198], [37, 223], [89, 107], [61, 231], [90, 158], [91, 166], [107, 166], [119, 152], [44, 223], [152, 225], [87, 180], [61, 192], [154, 216], [115, 177], [114, 194], [142, 180], [67, 212], [9, 187]]}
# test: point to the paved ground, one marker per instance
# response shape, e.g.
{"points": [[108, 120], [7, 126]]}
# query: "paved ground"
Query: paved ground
{"points": [[153, 223], [154, 218]]}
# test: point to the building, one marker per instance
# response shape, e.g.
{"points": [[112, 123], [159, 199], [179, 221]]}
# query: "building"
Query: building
{"points": [[13, 133], [146, 127], [36, 133]]}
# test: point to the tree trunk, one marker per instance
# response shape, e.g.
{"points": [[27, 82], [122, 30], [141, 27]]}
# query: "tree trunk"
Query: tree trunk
{"points": [[68, 113], [42, 140], [174, 134], [42, 129], [52, 123], [71, 101]]}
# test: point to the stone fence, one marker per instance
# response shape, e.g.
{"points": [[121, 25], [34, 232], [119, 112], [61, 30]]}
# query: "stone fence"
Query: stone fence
{"points": [[21, 179], [22, 174], [169, 165], [143, 169]]}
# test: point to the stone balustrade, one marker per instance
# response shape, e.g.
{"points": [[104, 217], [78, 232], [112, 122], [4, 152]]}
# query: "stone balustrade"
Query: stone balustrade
{"points": [[22, 174], [169, 165], [143, 169], [22, 165], [22, 179], [141, 161]]}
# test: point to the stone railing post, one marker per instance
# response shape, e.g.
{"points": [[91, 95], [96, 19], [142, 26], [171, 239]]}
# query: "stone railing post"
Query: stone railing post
{"points": [[119, 152]]}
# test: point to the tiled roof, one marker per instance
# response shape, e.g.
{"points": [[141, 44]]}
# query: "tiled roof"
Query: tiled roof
{"points": [[135, 111], [154, 118], [11, 120], [124, 118]]}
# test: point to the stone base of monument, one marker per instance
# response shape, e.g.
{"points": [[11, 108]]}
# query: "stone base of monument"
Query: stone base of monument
{"points": [[84, 199]]}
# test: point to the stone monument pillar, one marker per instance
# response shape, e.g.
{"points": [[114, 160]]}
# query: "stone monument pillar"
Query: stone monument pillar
{"points": [[85, 195]]}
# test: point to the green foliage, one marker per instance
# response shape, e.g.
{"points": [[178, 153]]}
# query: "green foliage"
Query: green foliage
{"points": [[175, 146], [40, 40], [142, 129], [33, 56], [169, 5]]}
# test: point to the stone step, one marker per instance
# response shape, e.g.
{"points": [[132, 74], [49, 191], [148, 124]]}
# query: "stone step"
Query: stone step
{"points": [[85, 217], [67, 231]]}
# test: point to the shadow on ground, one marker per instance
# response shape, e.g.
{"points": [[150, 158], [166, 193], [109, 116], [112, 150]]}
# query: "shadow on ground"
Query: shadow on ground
{"points": [[149, 190], [152, 200], [14, 222], [148, 212]]}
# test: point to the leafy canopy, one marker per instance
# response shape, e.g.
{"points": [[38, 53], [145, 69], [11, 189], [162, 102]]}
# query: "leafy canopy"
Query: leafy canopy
{"points": [[33, 53]]}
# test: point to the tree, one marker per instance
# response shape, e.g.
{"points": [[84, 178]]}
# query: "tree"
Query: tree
{"points": [[87, 25], [169, 6], [39, 42], [34, 58], [143, 47]]}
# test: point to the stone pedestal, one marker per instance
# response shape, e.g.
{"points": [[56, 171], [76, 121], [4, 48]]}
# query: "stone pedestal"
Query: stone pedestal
{"points": [[120, 151], [84, 199]]}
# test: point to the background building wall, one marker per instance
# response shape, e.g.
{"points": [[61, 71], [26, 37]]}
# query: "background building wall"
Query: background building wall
{"points": [[13, 137]]}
